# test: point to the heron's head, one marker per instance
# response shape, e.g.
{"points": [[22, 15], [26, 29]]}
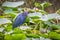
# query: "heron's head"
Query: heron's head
{"points": [[26, 10]]}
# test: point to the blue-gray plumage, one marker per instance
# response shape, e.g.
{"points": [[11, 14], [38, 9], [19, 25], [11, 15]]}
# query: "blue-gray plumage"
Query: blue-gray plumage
{"points": [[20, 19]]}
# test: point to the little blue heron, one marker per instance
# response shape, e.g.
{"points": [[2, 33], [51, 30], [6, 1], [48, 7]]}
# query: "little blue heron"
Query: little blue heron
{"points": [[20, 19]]}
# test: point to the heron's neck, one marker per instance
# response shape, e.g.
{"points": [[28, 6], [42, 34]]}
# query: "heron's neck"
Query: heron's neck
{"points": [[24, 13]]}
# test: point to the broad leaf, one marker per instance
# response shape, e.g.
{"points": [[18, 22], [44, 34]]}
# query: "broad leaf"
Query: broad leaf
{"points": [[4, 21], [37, 5], [53, 15], [46, 4], [13, 4], [18, 37], [44, 18], [35, 14], [11, 11]]}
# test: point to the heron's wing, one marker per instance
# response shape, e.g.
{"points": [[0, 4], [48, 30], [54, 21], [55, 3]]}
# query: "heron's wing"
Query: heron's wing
{"points": [[15, 17], [18, 21]]}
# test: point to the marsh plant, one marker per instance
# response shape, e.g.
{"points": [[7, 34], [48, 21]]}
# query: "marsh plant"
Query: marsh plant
{"points": [[41, 24]]}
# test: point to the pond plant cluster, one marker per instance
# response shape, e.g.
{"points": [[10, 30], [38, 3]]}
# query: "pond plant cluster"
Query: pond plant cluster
{"points": [[39, 24]]}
